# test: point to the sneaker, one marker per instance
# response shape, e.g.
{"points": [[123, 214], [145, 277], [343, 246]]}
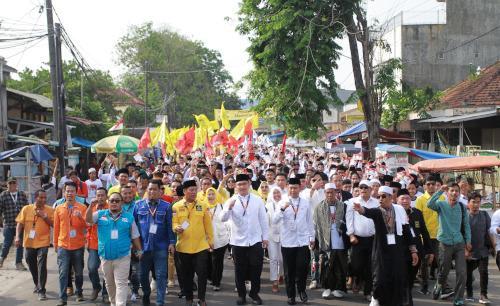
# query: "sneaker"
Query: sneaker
{"points": [[326, 294], [436, 292], [1, 262], [370, 298], [152, 285], [94, 295], [170, 284], [133, 298], [338, 294], [423, 290], [62, 303], [313, 285], [469, 299], [35, 290], [216, 288], [484, 299], [42, 296], [256, 300], [79, 298], [248, 286], [374, 302], [446, 293], [20, 267], [458, 303]]}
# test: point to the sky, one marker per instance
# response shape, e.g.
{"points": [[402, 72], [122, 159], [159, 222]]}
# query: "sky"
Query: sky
{"points": [[96, 26]]}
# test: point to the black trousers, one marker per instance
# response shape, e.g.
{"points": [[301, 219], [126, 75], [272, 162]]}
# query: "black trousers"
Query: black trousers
{"points": [[295, 264], [498, 260], [472, 265], [337, 270], [191, 263], [217, 263], [178, 268], [361, 262], [37, 263], [248, 265]]}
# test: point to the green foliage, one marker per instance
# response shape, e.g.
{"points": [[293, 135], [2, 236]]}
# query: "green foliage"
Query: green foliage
{"points": [[399, 103], [179, 95], [294, 52], [96, 104]]}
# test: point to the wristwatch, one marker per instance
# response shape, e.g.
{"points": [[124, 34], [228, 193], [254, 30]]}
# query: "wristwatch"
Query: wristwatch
{"points": [[138, 252]]}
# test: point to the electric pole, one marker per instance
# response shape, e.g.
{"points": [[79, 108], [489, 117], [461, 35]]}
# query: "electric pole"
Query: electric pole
{"points": [[62, 103], [56, 105]]}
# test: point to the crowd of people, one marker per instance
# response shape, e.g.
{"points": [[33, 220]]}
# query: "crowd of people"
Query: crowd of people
{"points": [[343, 224]]}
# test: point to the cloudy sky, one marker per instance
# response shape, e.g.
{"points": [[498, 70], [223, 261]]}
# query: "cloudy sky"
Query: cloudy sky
{"points": [[95, 27]]}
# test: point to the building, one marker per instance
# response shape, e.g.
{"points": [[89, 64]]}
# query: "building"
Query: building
{"points": [[338, 120], [468, 114], [441, 47]]}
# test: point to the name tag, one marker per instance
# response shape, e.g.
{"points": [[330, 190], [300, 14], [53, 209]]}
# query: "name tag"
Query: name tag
{"points": [[412, 232], [391, 239], [32, 234], [417, 224], [153, 228], [114, 234], [72, 233], [185, 225]]}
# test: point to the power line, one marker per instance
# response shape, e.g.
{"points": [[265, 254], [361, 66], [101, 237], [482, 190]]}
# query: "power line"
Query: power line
{"points": [[36, 42], [178, 72], [470, 40]]}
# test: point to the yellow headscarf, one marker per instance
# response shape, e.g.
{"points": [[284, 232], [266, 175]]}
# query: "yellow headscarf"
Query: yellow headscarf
{"points": [[263, 194], [218, 198]]}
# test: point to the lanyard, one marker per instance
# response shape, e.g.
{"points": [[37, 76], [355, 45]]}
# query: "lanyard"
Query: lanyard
{"points": [[14, 198], [245, 206], [35, 218], [153, 212], [215, 210], [295, 210], [117, 217]]}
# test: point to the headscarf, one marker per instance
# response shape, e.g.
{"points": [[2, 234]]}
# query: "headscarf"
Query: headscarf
{"points": [[218, 198], [262, 194], [270, 196]]}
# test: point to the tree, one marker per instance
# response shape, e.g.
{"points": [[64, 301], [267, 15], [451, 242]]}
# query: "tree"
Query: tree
{"points": [[293, 48], [95, 105], [186, 78], [401, 102]]}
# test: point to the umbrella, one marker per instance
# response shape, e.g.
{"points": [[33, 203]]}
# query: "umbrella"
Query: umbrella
{"points": [[117, 144]]}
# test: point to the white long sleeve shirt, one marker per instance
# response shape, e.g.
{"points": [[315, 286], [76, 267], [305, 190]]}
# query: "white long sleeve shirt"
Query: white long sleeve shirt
{"points": [[357, 224], [495, 223], [274, 229], [248, 225], [221, 229], [296, 223]]}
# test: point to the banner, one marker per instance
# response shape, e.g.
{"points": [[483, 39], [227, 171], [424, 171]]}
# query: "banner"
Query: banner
{"points": [[237, 114]]}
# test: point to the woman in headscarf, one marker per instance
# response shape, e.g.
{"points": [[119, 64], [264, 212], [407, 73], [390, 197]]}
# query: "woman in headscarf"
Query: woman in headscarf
{"points": [[226, 187], [221, 236], [274, 247], [263, 190]]}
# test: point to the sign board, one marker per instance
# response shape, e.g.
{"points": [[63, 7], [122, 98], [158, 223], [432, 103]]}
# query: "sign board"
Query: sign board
{"points": [[236, 114], [393, 160]]}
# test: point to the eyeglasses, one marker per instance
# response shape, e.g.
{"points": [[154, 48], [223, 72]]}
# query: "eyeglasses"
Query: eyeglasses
{"points": [[364, 187], [114, 201], [383, 196]]}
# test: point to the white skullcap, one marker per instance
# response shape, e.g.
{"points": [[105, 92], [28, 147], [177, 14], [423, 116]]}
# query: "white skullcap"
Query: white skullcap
{"points": [[92, 170], [365, 182], [330, 186], [375, 181], [386, 189]]}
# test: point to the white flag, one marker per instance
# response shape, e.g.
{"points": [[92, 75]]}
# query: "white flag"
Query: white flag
{"points": [[118, 126]]}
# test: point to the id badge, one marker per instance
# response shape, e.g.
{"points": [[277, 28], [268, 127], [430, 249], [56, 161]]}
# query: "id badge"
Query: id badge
{"points": [[72, 233], [412, 232], [153, 228], [114, 234], [32, 234], [185, 225], [391, 239]]}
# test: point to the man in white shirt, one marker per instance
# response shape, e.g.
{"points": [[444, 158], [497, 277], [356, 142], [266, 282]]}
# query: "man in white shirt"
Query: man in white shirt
{"points": [[495, 231], [361, 231], [297, 234], [247, 218], [93, 183]]}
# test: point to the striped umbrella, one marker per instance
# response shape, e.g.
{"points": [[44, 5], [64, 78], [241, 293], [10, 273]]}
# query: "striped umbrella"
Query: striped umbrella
{"points": [[116, 144]]}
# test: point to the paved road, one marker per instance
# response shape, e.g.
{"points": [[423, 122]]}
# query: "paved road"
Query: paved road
{"points": [[16, 289]]}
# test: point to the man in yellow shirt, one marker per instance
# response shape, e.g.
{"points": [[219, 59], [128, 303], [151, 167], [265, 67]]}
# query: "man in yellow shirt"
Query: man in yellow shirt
{"points": [[431, 220], [122, 181], [33, 223], [192, 222]]}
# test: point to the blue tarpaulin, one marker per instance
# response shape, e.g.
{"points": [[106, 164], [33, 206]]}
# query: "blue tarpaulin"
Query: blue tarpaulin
{"points": [[279, 134], [430, 155], [38, 153], [82, 142], [353, 130]]}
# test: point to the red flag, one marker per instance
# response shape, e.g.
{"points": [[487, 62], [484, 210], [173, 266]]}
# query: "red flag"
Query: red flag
{"points": [[283, 145], [145, 141], [251, 153], [185, 144], [248, 129], [221, 138], [209, 152]]}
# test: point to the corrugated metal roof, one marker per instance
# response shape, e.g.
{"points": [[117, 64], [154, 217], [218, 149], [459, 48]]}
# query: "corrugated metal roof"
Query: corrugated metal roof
{"points": [[39, 99], [467, 117]]}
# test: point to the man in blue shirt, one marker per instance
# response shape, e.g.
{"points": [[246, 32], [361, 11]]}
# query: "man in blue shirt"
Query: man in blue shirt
{"points": [[154, 220], [454, 241], [115, 229]]}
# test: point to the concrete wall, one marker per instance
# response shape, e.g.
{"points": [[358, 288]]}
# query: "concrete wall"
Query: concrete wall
{"points": [[424, 46]]}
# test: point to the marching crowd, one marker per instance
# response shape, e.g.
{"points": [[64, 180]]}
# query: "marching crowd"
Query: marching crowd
{"points": [[344, 224]]}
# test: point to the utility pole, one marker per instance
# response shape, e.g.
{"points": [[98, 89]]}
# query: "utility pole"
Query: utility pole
{"points": [[146, 68], [56, 106], [62, 103]]}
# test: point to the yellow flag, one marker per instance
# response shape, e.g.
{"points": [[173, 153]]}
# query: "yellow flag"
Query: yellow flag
{"points": [[255, 121], [239, 129], [160, 134], [199, 137], [203, 121], [223, 118]]}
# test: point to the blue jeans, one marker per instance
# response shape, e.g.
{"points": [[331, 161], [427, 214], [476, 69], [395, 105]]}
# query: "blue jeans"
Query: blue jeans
{"points": [[8, 237], [158, 259], [315, 261], [93, 264], [63, 262]]}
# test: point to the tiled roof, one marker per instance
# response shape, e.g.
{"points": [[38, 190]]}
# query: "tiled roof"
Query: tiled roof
{"points": [[480, 90]]}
